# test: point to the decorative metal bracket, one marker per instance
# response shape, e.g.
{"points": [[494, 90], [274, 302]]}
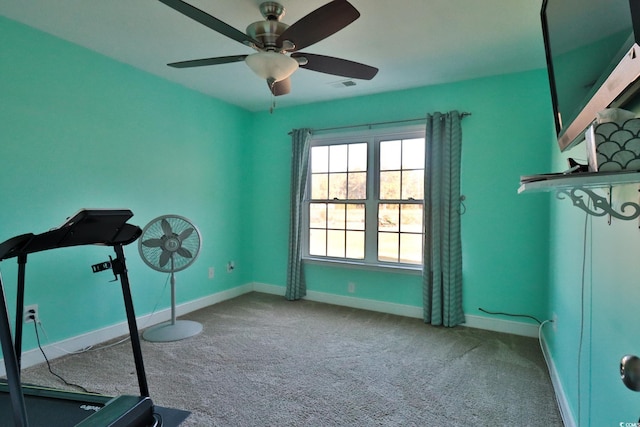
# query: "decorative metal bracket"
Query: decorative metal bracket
{"points": [[601, 205]]}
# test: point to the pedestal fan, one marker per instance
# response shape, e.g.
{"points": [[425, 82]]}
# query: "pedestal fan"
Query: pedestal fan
{"points": [[170, 243]]}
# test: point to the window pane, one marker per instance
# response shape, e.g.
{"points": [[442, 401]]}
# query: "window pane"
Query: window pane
{"points": [[358, 157], [357, 186], [390, 152], [355, 244], [342, 186], [413, 153], [388, 247], [411, 219], [413, 184], [320, 186], [411, 248], [388, 217], [317, 242], [338, 186], [320, 159], [355, 217], [335, 243], [336, 214], [338, 158], [389, 185], [318, 215]]}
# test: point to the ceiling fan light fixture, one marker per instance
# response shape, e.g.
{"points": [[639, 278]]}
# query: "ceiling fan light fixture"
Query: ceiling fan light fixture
{"points": [[271, 65]]}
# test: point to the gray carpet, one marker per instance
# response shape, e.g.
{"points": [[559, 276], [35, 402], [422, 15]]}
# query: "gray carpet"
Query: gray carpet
{"points": [[265, 361]]}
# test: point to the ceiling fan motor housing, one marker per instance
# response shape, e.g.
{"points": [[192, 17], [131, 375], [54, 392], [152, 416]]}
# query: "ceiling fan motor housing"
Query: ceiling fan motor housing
{"points": [[267, 32]]}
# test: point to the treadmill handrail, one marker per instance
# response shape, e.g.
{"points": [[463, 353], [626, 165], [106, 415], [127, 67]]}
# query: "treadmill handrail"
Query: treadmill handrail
{"points": [[88, 227], [12, 247]]}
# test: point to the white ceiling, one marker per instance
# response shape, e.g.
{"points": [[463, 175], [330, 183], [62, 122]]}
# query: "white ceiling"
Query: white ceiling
{"points": [[413, 42]]}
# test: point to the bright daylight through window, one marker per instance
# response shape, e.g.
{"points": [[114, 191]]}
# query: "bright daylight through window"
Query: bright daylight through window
{"points": [[364, 199]]}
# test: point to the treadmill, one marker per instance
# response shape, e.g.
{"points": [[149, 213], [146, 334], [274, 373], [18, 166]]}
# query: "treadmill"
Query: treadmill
{"points": [[26, 405]]}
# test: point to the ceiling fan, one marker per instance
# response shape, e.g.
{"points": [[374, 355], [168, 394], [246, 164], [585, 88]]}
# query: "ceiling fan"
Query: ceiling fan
{"points": [[278, 45]]}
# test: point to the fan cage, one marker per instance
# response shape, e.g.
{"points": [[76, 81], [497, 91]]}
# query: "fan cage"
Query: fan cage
{"points": [[154, 230]]}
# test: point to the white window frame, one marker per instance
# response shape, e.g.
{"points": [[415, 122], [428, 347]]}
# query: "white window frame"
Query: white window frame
{"points": [[372, 138]]}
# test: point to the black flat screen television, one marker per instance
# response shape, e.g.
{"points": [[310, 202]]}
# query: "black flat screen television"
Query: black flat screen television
{"points": [[593, 60]]}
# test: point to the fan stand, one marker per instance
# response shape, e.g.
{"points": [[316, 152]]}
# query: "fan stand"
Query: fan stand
{"points": [[173, 330]]}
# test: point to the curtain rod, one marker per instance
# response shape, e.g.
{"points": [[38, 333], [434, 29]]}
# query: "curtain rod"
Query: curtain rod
{"points": [[420, 119]]}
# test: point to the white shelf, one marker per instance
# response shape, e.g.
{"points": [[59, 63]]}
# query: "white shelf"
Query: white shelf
{"points": [[578, 187], [580, 180]]}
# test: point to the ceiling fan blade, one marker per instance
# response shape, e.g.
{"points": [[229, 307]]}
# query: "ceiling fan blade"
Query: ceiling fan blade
{"points": [[336, 66], [319, 24], [282, 87], [211, 22], [208, 61]]}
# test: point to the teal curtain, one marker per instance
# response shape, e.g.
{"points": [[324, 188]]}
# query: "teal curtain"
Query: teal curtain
{"points": [[296, 286], [442, 264]]}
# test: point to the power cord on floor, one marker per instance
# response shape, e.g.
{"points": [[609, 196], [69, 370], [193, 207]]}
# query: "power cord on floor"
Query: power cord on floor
{"points": [[37, 322], [35, 328], [544, 354], [510, 314], [92, 348]]}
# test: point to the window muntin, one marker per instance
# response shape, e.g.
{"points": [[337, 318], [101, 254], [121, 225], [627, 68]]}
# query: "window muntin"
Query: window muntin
{"points": [[364, 199], [337, 230], [339, 172], [336, 212], [401, 190]]}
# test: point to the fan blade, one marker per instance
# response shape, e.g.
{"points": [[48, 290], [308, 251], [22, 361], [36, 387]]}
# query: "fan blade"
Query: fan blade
{"points": [[214, 23], [319, 24], [207, 61], [166, 227], [282, 87], [184, 252], [165, 256], [336, 66], [186, 233], [152, 243]]}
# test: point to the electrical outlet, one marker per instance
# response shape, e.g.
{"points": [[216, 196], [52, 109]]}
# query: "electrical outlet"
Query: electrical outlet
{"points": [[211, 272], [31, 313], [351, 287], [555, 322], [230, 266]]}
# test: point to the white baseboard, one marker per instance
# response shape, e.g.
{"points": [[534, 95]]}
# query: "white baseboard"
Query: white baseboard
{"points": [[479, 322], [346, 301], [80, 342], [501, 325], [561, 397], [83, 341]]}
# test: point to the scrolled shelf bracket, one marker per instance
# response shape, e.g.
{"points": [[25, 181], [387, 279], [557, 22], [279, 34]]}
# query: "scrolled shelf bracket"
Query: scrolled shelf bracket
{"points": [[597, 205]]}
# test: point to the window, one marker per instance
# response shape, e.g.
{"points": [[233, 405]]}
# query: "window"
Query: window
{"points": [[364, 198]]}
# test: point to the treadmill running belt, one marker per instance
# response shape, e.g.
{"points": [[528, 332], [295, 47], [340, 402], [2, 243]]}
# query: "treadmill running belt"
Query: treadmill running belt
{"points": [[50, 407]]}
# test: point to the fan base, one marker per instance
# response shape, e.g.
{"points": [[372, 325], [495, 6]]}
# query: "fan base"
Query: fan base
{"points": [[168, 331]]}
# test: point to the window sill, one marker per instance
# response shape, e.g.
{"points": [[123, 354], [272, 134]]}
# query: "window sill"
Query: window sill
{"points": [[387, 268]]}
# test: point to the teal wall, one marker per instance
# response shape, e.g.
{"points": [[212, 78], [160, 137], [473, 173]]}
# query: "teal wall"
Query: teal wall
{"points": [[80, 130], [505, 236], [597, 304]]}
